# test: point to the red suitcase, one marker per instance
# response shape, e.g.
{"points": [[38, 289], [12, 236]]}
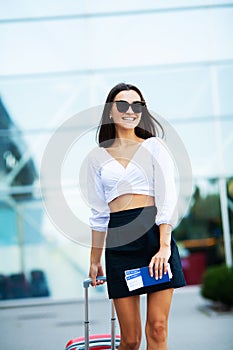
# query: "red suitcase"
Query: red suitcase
{"points": [[95, 341]]}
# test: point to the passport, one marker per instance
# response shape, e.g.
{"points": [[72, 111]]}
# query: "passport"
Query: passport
{"points": [[140, 277]]}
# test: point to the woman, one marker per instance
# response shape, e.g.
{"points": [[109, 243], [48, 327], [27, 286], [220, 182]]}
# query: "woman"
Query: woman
{"points": [[133, 199]]}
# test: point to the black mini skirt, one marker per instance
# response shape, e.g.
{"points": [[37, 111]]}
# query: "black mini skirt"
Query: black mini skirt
{"points": [[132, 240]]}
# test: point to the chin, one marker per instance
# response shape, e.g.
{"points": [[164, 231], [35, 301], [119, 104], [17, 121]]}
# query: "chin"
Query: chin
{"points": [[127, 126]]}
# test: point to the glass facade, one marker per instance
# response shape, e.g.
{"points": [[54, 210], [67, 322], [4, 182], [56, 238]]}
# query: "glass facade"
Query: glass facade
{"points": [[61, 59]]}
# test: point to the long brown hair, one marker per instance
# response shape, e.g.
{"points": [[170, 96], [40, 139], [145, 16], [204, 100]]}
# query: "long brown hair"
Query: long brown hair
{"points": [[147, 127]]}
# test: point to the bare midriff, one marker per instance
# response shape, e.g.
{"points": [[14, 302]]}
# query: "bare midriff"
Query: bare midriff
{"points": [[130, 201]]}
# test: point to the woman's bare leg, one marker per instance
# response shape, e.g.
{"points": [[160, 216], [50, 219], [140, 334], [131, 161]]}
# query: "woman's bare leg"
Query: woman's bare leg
{"points": [[158, 306], [128, 313]]}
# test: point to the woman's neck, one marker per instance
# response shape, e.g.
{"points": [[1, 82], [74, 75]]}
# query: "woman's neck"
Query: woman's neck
{"points": [[124, 137]]}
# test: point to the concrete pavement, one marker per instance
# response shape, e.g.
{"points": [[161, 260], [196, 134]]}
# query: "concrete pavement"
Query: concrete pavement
{"points": [[46, 324]]}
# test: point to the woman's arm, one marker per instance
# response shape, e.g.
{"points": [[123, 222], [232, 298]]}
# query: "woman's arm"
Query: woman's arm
{"points": [[164, 185], [96, 269], [99, 218], [166, 203], [159, 261]]}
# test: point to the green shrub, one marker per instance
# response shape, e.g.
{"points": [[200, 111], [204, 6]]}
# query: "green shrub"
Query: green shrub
{"points": [[217, 284]]}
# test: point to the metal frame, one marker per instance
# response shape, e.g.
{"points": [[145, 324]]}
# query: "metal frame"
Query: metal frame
{"points": [[86, 283]]}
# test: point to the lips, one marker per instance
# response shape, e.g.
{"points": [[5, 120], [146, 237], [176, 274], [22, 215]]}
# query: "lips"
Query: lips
{"points": [[131, 119]]}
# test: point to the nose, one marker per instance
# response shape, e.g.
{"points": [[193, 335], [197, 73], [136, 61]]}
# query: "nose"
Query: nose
{"points": [[130, 111]]}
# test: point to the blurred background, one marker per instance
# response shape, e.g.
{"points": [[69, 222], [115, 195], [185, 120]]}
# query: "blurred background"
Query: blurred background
{"points": [[59, 58]]}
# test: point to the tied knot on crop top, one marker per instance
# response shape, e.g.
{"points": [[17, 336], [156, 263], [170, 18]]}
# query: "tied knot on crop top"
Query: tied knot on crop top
{"points": [[150, 172]]}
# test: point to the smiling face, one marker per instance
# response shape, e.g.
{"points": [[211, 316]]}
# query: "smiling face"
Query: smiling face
{"points": [[130, 118]]}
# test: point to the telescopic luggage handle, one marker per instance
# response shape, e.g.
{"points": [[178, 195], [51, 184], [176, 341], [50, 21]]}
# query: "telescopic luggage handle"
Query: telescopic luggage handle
{"points": [[86, 284]]}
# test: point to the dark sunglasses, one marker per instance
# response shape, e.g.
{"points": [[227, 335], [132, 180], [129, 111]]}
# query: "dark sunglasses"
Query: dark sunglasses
{"points": [[123, 106]]}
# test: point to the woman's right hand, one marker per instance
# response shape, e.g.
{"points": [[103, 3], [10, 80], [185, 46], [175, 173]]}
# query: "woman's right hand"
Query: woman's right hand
{"points": [[96, 270]]}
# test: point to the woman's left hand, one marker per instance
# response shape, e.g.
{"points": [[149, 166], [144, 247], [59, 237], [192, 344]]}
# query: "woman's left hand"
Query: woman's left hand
{"points": [[159, 262]]}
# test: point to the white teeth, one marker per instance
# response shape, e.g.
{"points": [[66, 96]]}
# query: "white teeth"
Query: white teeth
{"points": [[129, 118]]}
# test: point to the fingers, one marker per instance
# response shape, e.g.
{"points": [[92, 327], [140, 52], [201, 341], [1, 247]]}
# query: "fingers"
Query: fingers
{"points": [[93, 274], [99, 274], [100, 281], [95, 271], [96, 282], [165, 267], [157, 267], [93, 278]]}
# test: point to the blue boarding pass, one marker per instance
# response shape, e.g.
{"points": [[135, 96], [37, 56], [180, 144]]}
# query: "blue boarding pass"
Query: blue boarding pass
{"points": [[140, 277]]}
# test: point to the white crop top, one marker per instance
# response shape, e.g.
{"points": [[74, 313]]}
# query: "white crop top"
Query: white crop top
{"points": [[149, 172]]}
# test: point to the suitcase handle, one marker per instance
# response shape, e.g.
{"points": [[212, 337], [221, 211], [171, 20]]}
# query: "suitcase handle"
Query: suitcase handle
{"points": [[87, 282]]}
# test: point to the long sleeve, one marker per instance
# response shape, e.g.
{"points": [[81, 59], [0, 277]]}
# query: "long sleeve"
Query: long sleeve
{"points": [[100, 212], [164, 185]]}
